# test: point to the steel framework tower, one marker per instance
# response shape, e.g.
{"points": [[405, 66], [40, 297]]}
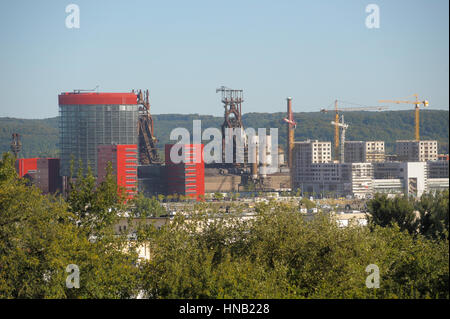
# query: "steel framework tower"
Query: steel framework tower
{"points": [[232, 102], [148, 153]]}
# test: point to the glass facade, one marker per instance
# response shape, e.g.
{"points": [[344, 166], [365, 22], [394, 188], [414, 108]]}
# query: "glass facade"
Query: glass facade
{"points": [[84, 127]]}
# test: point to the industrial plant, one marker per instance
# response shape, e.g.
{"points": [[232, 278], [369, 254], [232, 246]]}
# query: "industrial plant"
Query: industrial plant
{"points": [[98, 129]]}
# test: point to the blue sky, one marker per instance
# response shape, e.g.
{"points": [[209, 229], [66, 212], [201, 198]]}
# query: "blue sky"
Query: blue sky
{"points": [[314, 51]]}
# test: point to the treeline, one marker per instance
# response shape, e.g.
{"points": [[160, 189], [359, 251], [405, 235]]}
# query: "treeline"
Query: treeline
{"points": [[278, 254], [40, 137]]}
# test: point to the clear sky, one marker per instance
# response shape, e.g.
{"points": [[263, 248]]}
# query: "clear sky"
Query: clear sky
{"points": [[315, 51]]}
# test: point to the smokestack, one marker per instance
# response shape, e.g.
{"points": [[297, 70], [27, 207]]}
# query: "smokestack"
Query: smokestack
{"points": [[255, 154], [290, 132]]}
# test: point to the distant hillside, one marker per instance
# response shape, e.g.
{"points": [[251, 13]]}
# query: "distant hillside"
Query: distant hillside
{"points": [[40, 137]]}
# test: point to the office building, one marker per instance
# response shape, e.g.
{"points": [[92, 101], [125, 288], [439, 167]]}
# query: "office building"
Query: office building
{"points": [[88, 120]]}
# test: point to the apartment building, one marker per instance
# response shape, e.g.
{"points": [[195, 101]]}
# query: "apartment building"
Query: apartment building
{"points": [[416, 151], [305, 154], [310, 152], [364, 151]]}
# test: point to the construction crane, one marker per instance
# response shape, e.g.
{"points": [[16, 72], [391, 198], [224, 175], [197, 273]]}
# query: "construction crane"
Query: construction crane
{"points": [[344, 128], [346, 109], [417, 104]]}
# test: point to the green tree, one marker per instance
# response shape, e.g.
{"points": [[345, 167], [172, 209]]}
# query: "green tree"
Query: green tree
{"points": [[96, 207], [433, 208], [146, 207], [307, 203], [40, 237], [385, 211], [279, 254]]}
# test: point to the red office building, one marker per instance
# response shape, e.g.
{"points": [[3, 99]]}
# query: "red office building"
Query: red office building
{"points": [[187, 177], [124, 160]]}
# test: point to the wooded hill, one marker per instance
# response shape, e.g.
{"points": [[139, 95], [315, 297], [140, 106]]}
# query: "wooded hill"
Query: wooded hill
{"points": [[40, 137]]}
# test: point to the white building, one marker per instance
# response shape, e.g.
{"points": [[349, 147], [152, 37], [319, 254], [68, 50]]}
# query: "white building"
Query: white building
{"points": [[334, 179], [412, 178], [364, 179]]}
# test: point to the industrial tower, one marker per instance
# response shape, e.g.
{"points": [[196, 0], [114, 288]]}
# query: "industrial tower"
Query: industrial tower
{"points": [[232, 103], [148, 153], [291, 125]]}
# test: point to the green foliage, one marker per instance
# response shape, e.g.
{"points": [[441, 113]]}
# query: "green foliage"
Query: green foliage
{"points": [[281, 255], [95, 207], [147, 207], [39, 137], [210, 254], [40, 237], [434, 214], [218, 196], [399, 210], [427, 216], [7, 170], [307, 203]]}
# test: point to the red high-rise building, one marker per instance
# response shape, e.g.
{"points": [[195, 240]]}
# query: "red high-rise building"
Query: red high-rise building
{"points": [[124, 160], [187, 177]]}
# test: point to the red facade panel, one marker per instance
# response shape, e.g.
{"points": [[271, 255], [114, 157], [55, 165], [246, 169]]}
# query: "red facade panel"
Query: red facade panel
{"points": [[188, 177], [127, 159], [124, 159], [25, 165], [96, 98]]}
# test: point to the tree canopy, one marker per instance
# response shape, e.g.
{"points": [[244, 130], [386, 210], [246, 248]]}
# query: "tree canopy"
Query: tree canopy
{"points": [[209, 254]]}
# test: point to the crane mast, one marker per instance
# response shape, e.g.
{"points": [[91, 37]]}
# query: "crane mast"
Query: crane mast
{"points": [[343, 127]]}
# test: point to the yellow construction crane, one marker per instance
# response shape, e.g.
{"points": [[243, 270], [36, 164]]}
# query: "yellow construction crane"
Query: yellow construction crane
{"points": [[337, 110], [417, 104]]}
